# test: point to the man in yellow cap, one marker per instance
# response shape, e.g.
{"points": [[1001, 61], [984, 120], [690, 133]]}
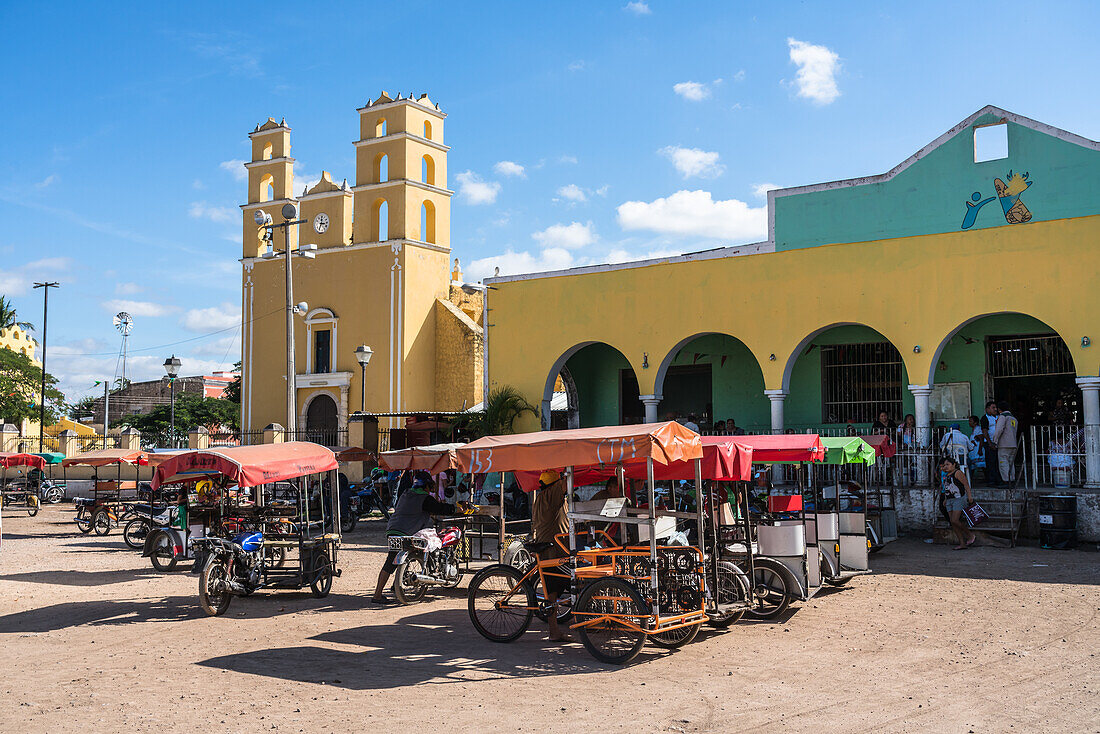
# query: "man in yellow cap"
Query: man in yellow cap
{"points": [[548, 519]]}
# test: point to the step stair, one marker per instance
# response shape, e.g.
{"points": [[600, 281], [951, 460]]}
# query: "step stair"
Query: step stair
{"points": [[1005, 507]]}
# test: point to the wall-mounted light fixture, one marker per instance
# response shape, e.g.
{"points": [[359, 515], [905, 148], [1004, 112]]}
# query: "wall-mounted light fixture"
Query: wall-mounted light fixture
{"points": [[771, 357], [645, 360], [916, 349], [1085, 341]]}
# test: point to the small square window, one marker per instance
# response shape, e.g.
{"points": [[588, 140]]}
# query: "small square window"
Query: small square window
{"points": [[990, 142]]}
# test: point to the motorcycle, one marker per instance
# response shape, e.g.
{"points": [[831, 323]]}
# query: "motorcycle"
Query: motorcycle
{"points": [[428, 558], [372, 497]]}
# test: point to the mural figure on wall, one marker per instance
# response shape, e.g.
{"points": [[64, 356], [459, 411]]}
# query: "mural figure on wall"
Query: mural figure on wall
{"points": [[1008, 194]]}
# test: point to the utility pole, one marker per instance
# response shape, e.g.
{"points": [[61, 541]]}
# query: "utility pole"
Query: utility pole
{"points": [[106, 408], [42, 396]]}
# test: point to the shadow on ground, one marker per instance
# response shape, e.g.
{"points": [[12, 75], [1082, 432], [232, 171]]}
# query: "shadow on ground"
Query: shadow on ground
{"points": [[914, 557]]}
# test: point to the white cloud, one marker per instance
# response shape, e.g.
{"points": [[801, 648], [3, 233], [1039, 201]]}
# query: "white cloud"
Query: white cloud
{"points": [[620, 255], [510, 168], [512, 263], [202, 210], [474, 190], [305, 181], [696, 213], [739, 76], [638, 7], [205, 320], [48, 263], [760, 190], [227, 347], [236, 167], [137, 308], [566, 236], [18, 280], [198, 185], [576, 66], [46, 181], [567, 159], [694, 91], [693, 161], [817, 70], [573, 193], [127, 289]]}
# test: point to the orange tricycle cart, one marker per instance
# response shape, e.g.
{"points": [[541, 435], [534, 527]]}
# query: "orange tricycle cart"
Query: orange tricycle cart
{"points": [[625, 594]]}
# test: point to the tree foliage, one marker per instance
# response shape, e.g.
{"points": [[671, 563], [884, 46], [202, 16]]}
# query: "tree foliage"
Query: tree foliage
{"points": [[8, 317], [233, 389], [20, 382], [82, 408], [503, 407], [215, 414]]}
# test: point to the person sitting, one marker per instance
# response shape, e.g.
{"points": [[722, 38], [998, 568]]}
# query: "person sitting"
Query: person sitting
{"points": [[955, 443], [732, 429], [412, 514]]}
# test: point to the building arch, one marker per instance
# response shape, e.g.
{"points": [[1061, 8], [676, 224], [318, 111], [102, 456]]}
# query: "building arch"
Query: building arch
{"points": [[427, 222], [321, 418], [380, 128], [380, 225], [427, 174], [267, 188], [268, 149], [560, 364], [662, 370], [381, 168], [792, 358], [938, 354], [428, 129]]}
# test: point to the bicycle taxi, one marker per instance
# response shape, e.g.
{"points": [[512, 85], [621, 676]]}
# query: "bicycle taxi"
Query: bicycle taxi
{"points": [[287, 543], [625, 594], [838, 526], [23, 493], [105, 509]]}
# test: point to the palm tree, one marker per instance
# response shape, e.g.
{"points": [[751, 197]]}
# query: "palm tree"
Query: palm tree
{"points": [[503, 406], [8, 316]]}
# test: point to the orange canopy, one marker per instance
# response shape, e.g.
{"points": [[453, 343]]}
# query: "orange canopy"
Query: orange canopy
{"points": [[106, 457], [156, 458], [782, 447], [248, 466], [433, 459], [9, 459], [610, 445]]}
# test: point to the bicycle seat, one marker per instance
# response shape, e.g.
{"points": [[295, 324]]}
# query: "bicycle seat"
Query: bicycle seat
{"points": [[536, 547]]}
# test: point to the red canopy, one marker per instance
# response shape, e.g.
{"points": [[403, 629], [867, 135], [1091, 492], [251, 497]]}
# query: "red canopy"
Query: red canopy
{"points": [[106, 457], [433, 459], [248, 466], [724, 460], [883, 445], [8, 460], [787, 447], [610, 445]]}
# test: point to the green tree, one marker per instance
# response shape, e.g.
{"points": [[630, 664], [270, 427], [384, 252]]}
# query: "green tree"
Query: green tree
{"points": [[8, 317], [82, 408], [233, 389], [20, 382], [503, 407], [215, 414]]}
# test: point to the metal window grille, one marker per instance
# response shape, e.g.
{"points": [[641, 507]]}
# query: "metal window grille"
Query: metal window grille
{"points": [[1028, 356], [860, 380]]}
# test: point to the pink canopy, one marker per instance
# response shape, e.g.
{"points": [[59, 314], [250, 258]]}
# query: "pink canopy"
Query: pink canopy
{"points": [[248, 466], [724, 460], [107, 457], [8, 460], [787, 447], [883, 445]]}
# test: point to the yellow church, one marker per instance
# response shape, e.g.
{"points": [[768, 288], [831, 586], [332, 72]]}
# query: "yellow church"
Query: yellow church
{"points": [[380, 276]]}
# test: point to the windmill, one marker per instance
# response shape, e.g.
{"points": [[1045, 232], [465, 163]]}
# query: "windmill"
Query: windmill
{"points": [[125, 324]]}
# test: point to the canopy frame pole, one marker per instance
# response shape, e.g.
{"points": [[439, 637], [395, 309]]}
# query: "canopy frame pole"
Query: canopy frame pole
{"points": [[572, 530], [747, 522], [500, 531], [652, 537], [620, 475], [699, 502]]}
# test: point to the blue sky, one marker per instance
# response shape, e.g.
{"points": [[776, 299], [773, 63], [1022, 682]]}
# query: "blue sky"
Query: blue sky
{"points": [[581, 131]]}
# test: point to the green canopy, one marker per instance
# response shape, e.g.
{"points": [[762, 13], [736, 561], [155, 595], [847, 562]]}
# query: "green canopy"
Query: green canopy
{"points": [[52, 457], [847, 450]]}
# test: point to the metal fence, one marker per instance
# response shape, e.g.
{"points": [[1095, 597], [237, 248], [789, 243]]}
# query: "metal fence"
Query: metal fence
{"points": [[326, 437], [1057, 456], [236, 438]]}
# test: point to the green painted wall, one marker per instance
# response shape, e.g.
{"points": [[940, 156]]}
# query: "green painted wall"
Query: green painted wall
{"points": [[930, 196], [737, 387], [595, 370]]}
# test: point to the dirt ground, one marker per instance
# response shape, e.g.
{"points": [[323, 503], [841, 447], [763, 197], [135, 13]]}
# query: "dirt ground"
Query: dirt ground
{"points": [[92, 639]]}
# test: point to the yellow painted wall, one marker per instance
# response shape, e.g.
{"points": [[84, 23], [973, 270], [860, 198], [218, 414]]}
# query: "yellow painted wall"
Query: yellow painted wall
{"points": [[915, 291]]}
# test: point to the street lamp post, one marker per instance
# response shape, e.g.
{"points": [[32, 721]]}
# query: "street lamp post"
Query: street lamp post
{"points": [[363, 354], [42, 396], [263, 219], [172, 367]]}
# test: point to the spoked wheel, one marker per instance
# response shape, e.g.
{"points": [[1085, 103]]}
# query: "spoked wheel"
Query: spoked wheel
{"points": [[733, 588], [612, 640], [101, 523], [565, 608], [32, 505], [135, 532], [677, 637], [500, 603], [83, 524], [213, 594], [347, 523], [163, 555], [406, 587], [275, 556], [771, 594], [322, 576]]}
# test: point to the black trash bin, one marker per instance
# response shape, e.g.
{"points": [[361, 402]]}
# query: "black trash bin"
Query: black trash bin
{"points": [[1057, 521]]}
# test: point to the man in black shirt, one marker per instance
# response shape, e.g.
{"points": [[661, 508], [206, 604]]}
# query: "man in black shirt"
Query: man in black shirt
{"points": [[412, 514]]}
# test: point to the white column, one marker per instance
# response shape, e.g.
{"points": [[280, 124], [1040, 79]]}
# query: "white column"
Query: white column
{"points": [[1090, 394], [651, 402], [778, 398], [923, 415]]}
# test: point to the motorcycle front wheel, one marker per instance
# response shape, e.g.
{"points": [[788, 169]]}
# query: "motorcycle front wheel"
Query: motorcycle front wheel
{"points": [[213, 596], [83, 524], [347, 522], [135, 532], [406, 587], [163, 554]]}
